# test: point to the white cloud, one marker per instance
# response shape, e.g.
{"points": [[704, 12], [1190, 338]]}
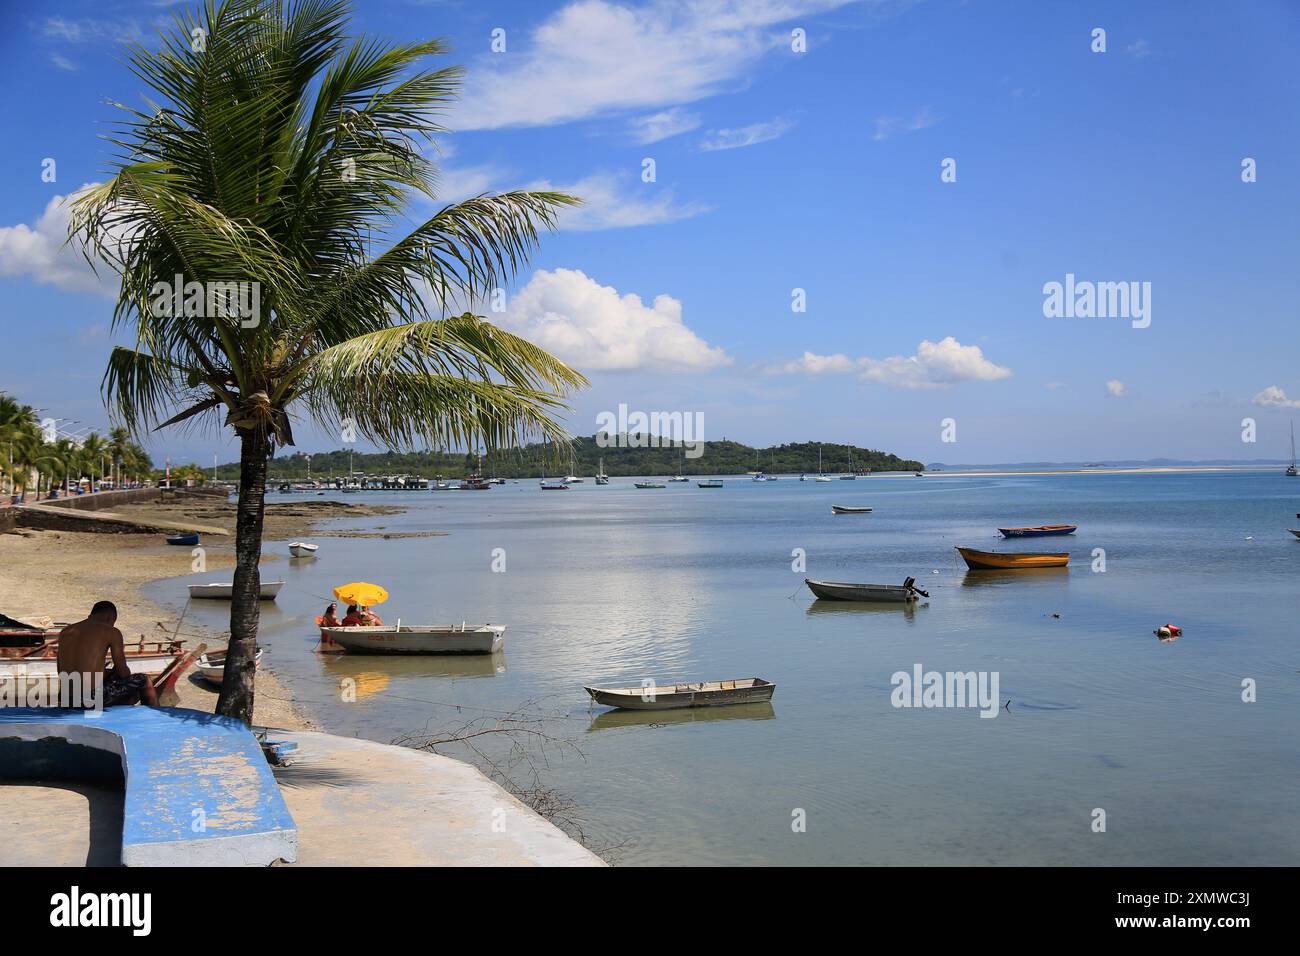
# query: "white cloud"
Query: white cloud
{"points": [[661, 125], [63, 63], [39, 251], [90, 31], [887, 126], [613, 201], [457, 183], [1116, 389], [747, 135], [935, 365], [1139, 48], [595, 56], [593, 327], [1275, 397]]}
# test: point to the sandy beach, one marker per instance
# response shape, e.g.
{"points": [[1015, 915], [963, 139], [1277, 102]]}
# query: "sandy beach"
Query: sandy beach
{"points": [[58, 575]]}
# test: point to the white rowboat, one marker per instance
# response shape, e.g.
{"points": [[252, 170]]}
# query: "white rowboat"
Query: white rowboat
{"points": [[419, 639], [212, 667], [222, 591], [712, 693], [301, 549]]}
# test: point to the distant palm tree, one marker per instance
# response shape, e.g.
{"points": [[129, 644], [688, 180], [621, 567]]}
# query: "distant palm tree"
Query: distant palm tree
{"points": [[280, 149]]}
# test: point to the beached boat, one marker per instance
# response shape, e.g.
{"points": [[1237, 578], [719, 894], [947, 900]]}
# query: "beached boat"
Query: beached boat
{"points": [[419, 639], [1013, 561], [38, 666], [710, 483], [1039, 531], [649, 484], [301, 549], [849, 510], [222, 590], [212, 667], [885, 593], [713, 693], [184, 540]]}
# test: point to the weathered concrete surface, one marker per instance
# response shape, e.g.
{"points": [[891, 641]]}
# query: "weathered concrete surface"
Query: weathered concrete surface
{"points": [[359, 803], [198, 790], [52, 517]]}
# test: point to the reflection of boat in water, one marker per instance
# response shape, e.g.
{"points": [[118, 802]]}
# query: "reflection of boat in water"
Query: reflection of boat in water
{"points": [[610, 719], [373, 676], [906, 609], [1004, 577]]}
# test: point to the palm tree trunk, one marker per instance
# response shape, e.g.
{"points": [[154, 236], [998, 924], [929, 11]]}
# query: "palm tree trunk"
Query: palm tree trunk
{"points": [[236, 698]]}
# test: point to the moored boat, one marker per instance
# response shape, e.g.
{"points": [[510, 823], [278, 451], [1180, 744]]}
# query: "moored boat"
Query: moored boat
{"points": [[1039, 531], [419, 639], [184, 540], [885, 593], [849, 510], [302, 549], [710, 483], [212, 667], [649, 484], [223, 590], [714, 693], [1294, 531], [554, 486], [1012, 561]]}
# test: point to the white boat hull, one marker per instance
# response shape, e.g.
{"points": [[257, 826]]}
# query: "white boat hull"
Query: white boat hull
{"points": [[425, 639], [224, 591], [301, 549], [212, 667], [41, 676]]}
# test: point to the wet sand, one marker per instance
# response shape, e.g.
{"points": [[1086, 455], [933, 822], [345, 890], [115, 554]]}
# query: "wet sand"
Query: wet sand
{"points": [[58, 575]]}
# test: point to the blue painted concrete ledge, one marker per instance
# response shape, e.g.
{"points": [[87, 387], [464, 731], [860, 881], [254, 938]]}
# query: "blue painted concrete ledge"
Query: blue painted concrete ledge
{"points": [[198, 791]]}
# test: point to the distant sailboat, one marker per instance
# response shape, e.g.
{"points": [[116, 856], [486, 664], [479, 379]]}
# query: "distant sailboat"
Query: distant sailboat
{"points": [[678, 476], [821, 475], [852, 475], [1291, 471], [601, 477]]}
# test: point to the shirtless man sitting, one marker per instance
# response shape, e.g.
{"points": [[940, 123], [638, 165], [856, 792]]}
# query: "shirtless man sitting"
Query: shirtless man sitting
{"points": [[82, 647]]}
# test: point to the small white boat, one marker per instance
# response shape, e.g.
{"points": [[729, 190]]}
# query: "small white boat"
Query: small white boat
{"points": [[849, 510], [573, 480], [649, 484], [419, 639], [212, 667], [712, 693], [223, 590], [301, 549], [886, 593]]}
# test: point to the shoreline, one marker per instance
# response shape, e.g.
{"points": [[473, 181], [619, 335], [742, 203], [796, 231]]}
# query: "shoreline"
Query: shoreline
{"points": [[79, 568]]}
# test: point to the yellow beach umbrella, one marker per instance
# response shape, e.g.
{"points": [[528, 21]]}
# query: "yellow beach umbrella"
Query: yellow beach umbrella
{"points": [[359, 592]]}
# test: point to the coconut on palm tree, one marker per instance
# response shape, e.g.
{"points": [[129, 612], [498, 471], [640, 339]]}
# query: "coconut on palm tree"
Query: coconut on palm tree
{"points": [[253, 222]]}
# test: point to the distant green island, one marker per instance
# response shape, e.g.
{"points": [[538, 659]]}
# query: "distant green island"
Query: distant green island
{"points": [[583, 457]]}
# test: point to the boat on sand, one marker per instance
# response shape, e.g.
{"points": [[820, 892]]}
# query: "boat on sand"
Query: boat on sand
{"points": [[223, 590], [212, 667]]}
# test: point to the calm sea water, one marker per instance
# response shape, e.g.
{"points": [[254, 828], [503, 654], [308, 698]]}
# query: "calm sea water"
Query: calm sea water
{"points": [[610, 585]]}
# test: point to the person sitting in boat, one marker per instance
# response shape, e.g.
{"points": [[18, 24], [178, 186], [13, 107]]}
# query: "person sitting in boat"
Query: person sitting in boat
{"points": [[353, 617], [330, 617], [370, 619], [82, 647]]}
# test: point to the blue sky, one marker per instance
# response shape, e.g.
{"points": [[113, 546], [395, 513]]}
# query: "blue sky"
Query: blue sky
{"points": [[778, 170]]}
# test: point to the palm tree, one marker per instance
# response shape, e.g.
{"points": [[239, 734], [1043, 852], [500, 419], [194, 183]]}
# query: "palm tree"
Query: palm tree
{"points": [[280, 157], [93, 450]]}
